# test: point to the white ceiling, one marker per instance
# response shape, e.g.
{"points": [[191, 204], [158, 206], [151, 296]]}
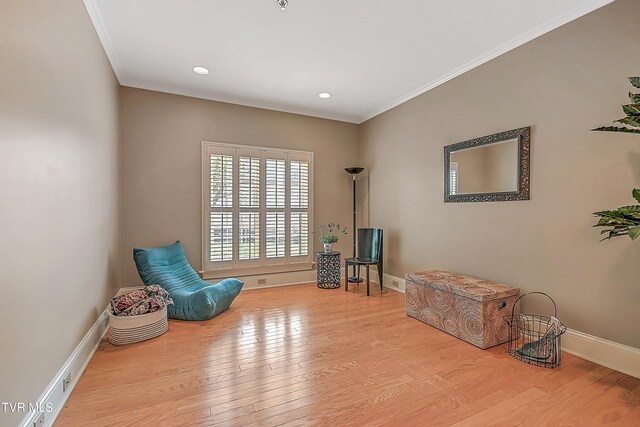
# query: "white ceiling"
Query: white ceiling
{"points": [[371, 55]]}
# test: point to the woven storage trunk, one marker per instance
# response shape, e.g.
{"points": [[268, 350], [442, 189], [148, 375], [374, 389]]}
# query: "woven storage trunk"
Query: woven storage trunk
{"points": [[467, 308], [132, 329]]}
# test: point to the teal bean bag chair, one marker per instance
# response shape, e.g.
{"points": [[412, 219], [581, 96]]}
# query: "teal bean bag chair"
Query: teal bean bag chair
{"points": [[193, 298]]}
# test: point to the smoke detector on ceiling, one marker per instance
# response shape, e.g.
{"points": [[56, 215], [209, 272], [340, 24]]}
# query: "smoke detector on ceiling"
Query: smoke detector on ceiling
{"points": [[283, 4]]}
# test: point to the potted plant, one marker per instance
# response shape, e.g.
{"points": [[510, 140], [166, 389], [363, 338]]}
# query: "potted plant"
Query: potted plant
{"points": [[328, 234], [626, 219]]}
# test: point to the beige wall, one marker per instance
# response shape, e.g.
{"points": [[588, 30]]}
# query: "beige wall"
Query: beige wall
{"points": [[562, 84], [162, 136], [58, 190]]}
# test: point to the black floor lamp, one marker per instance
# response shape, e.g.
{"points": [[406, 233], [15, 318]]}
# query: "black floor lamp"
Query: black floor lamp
{"points": [[354, 172]]}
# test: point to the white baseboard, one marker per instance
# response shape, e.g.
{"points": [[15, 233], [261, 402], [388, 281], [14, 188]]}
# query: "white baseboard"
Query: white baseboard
{"points": [[278, 279], [391, 282], [282, 279], [53, 397], [607, 353]]}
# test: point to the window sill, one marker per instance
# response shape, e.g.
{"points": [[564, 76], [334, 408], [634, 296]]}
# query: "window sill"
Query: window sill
{"points": [[252, 271]]}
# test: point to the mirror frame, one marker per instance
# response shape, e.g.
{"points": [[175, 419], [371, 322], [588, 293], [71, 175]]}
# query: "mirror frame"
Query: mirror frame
{"points": [[524, 147]]}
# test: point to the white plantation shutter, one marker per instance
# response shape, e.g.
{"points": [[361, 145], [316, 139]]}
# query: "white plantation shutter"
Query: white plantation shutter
{"points": [[221, 168], [221, 236], [275, 195], [453, 178], [249, 239], [299, 184], [299, 234], [275, 189], [258, 209], [299, 224], [248, 205], [221, 203], [275, 235], [249, 182]]}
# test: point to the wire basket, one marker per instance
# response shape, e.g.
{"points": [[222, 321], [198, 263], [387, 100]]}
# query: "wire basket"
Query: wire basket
{"points": [[535, 339]]}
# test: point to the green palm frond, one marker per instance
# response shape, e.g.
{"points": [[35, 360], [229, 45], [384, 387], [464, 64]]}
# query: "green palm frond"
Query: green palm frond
{"points": [[622, 221], [631, 109], [630, 120], [615, 129]]}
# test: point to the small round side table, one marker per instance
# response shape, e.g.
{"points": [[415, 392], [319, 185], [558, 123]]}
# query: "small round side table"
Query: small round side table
{"points": [[328, 270]]}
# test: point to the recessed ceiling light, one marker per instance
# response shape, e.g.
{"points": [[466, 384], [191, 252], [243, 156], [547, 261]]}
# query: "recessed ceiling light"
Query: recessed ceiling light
{"points": [[324, 95], [200, 70]]}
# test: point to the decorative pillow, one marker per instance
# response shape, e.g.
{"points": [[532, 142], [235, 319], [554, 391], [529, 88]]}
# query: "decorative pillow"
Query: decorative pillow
{"points": [[148, 300]]}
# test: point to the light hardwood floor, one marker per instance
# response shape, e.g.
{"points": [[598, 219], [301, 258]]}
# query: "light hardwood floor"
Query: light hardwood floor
{"points": [[300, 355]]}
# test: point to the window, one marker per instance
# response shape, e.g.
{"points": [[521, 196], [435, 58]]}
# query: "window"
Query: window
{"points": [[257, 209], [453, 178]]}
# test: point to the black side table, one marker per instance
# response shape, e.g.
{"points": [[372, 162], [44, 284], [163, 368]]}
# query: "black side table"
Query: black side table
{"points": [[328, 270]]}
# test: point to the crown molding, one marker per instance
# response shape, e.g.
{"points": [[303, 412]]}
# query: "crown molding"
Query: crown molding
{"points": [[98, 24]]}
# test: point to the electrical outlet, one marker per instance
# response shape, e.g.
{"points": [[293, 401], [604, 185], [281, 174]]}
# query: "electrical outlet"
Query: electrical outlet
{"points": [[262, 281], [66, 382], [396, 283], [40, 421]]}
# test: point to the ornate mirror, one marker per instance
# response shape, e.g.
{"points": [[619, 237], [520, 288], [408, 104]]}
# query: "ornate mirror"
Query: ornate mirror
{"points": [[488, 169]]}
